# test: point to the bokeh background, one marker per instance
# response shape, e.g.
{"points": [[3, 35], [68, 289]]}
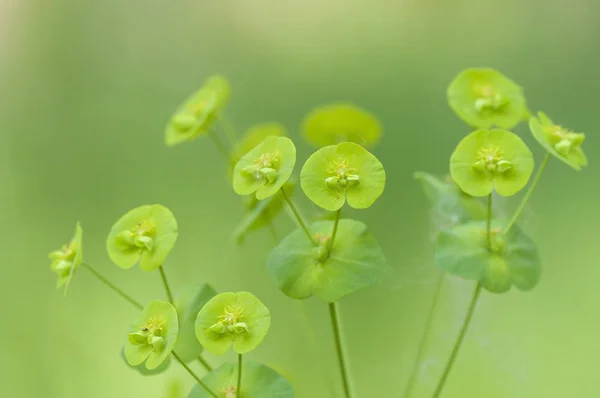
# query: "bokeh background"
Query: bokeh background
{"points": [[86, 90]]}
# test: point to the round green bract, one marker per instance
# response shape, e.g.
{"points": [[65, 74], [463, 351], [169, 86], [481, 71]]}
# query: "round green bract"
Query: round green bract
{"points": [[198, 114], [301, 269], [239, 318], [67, 259], [344, 172], [253, 137], [341, 122], [551, 136], [188, 303], [476, 147], [513, 260], [153, 223], [159, 318], [277, 154], [484, 97], [258, 381]]}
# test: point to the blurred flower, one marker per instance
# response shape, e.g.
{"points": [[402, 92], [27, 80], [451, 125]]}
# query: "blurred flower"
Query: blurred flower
{"points": [[66, 260]]}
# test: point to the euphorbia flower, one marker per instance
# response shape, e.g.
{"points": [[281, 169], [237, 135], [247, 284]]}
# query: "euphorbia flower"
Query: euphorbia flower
{"points": [[66, 259]]}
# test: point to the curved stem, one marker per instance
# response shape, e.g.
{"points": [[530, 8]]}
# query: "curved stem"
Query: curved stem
{"points": [[194, 375], [298, 217], [239, 377], [229, 130], [167, 288], [205, 363], [335, 322], [425, 338], [113, 287], [528, 194], [220, 146]]}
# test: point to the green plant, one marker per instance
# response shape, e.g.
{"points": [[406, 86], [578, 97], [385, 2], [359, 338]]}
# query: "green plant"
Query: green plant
{"points": [[334, 256]]}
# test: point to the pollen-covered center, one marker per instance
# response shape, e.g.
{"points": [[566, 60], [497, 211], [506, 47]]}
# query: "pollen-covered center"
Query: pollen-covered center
{"points": [[231, 321], [491, 161], [563, 140], [488, 99], [264, 168], [341, 174], [150, 333], [142, 235]]}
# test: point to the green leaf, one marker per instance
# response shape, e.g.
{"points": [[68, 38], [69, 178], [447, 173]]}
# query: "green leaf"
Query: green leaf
{"points": [[145, 234], [512, 259], [265, 169], [301, 269], [199, 112], [158, 326], [67, 259], [341, 122], [488, 160], [188, 303], [559, 141], [141, 368], [484, 98], [344, 172], [239, 318]]}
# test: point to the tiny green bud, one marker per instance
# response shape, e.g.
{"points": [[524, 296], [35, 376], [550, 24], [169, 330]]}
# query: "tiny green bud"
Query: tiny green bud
{"points": [[67, 259]]}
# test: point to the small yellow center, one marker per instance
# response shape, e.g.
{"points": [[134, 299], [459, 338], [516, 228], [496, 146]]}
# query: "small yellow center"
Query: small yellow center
{"points": [[341, 174], [487, 99], [232, 314], [491, 160], [154, 325]]}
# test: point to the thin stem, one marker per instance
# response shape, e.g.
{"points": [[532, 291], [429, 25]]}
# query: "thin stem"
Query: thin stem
{"points": [[205, 363], [335, 322], [298, 217], [167, 288], [220, 146], [113, 287], [194, 375], [425, 337], [521, 207], [489, 222], [227, 127], [334, 232], [458, 344], [239, 379]]}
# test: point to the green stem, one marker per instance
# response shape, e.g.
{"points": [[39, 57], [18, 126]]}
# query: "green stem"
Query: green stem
{"points": [[229, 131], [458, 344], [167, 288], [298, 217], [113, 287], [194, 375], [239, 378], [425, 338], [489, 222], [205, 363], [335, 322], [334, 232], [521, 207], [220, 146]]}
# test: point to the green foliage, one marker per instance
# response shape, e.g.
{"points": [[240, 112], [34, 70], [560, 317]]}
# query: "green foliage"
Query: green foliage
{"points": [[239, 318], [145, 234], [188, 303], [67, 259], [559, 141], [484, 98], [153, 336], [141, 368], [341, 122], [344, 172], [265, 168], [198, 114], [354, 262], [488, 160], [258, 381], [512, 259]]}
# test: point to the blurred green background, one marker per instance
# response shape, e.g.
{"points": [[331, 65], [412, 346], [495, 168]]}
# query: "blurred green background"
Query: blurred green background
{"points": [[86, 90]]}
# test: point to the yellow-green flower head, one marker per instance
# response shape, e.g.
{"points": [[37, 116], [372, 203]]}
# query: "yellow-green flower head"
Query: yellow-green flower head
{"points": [[341, 122], [239, 318], [145, 234], [254, 136], [559, 141], [265, 169], [199, 112], [484, 98], [153, 336], [344, 172], [488, 160], [66, 259]]}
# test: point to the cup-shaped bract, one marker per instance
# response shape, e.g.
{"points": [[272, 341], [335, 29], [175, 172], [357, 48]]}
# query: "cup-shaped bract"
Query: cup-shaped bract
{"points": [[330, 271], [512, 259], [484, 97], [341, 122], [488, 160], [343, 172], [265, 169], [230, 318], [198, 114], [559, 141], [258, 381], [66, 259], [153, 336], [145, 234]]}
